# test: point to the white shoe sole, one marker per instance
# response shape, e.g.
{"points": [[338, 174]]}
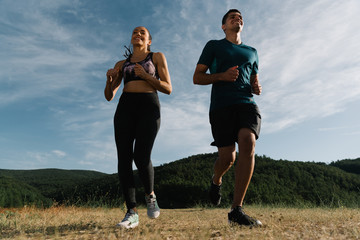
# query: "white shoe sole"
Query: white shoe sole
{"points": [[134, 225], [155, 215]]}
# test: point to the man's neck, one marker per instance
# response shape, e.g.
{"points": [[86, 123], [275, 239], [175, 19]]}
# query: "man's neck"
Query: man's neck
{"points": [[233, 37]]}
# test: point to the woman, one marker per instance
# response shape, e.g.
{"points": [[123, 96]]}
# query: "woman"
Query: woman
{"points": [[137, 118]]}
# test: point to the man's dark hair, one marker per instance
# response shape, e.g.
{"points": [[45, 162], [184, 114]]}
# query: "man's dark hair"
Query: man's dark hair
{"points": [[226, 15]]}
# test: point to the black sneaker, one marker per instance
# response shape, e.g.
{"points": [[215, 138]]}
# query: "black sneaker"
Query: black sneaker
{"points": [[237, 217], [215, 195]]}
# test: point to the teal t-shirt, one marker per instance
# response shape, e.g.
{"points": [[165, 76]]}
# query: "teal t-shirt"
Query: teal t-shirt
{"points": [[219, 56]]}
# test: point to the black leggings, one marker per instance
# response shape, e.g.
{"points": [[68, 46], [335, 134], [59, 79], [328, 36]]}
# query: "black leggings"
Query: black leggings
{"points": [[136, 123]]}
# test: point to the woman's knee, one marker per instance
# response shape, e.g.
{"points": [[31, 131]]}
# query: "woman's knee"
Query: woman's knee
{"points": [[142, 158]]}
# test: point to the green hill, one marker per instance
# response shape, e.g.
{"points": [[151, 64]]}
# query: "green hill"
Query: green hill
{"points": [[104, 191], [184, 183], [348, 165], [303, 183], [50, 182], [14, 193]]}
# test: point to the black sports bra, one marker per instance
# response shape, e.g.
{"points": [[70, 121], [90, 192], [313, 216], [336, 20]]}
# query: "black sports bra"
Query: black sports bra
{"points": [[147, 64]]}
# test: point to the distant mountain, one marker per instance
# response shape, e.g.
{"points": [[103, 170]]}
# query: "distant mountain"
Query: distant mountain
{"points": [[184, 183], [14, 193], [348, 165], [50, 181]]}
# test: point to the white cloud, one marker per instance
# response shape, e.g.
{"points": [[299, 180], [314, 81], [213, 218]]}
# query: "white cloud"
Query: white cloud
{"points": [[44, 56], [59, 153], [41, 159], [58, 53], [185, 123], [308, 65], [86, 163], [299, 69]]}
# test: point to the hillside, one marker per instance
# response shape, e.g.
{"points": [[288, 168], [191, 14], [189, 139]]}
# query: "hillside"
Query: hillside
{"points": [[14, 193], [50, 182], [348, 165], [184, 183]]}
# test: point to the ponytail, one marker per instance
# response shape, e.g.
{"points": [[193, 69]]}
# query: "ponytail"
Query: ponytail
{"points": [[129, 50]]}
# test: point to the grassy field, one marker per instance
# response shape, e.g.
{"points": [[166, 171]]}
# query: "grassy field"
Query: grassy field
{"points": [[196, 223]]}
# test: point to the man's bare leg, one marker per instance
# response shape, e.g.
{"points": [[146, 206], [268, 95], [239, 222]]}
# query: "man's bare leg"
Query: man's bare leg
{"points": [[223, 163], [245, 165]]}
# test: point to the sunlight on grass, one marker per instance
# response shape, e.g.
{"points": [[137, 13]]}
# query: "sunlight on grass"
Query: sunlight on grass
{"points": [[196, 223]]}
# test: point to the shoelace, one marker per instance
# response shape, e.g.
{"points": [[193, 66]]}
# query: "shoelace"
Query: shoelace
{"points": [[151, 202], [243, 214], [127, 216]]}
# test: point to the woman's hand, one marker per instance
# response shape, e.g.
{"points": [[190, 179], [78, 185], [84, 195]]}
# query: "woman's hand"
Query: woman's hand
{"points": [[140, 71], [112, 74], [113, 80]]}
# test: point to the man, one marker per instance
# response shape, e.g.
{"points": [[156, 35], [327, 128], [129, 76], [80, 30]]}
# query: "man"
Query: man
{"points": [[234, 115]]}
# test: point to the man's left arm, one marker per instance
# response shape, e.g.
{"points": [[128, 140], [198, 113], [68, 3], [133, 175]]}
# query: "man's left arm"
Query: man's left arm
{"points": [[255, 84]]}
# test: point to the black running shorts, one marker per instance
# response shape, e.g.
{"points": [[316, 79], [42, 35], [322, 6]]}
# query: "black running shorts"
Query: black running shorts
{"points": [[226, 123]]}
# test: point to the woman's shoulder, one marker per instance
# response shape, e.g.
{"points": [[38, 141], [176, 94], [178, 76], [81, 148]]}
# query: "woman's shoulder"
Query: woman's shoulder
{"points": [[119, 64], [158, 56]]}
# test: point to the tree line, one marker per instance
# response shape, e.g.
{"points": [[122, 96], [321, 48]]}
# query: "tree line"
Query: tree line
{"points": [[184, 183]]}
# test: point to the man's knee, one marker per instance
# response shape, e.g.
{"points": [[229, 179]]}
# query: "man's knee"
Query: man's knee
{"points": [[246, 140], [227, 160], [227, 155]]}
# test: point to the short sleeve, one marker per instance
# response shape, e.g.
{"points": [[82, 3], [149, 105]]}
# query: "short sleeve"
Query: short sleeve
{"points": [[207, 55], [255, 66]]}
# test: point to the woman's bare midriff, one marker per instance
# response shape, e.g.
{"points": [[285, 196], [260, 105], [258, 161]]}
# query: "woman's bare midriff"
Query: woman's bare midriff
{"points": [[138, 86]]}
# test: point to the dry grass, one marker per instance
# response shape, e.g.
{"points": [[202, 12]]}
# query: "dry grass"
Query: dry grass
{"points": [[198, 223]]}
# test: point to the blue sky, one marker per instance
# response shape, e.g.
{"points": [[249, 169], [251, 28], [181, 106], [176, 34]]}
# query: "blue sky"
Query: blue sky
{"points": [[54, 56]]}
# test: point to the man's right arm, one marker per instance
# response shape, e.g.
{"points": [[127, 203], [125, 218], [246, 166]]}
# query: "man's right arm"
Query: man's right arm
{"points": [[202, 78]]}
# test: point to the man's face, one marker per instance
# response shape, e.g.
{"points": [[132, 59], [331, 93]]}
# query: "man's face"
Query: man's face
{"points": [[233, 22]]}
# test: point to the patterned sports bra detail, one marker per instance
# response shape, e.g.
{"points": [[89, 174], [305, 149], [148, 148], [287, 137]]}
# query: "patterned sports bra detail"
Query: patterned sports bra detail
{"points": [[147, 64]]}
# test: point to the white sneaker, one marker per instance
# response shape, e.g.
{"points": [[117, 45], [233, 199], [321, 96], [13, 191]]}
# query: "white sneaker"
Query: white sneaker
{"points": [[131, 220], [153, 210]]}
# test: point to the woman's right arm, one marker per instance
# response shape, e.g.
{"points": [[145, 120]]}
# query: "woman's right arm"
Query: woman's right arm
{"points": [[113, 80]]}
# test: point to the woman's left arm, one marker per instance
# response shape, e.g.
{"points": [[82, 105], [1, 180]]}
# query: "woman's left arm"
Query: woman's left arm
{"points": [[164, 85]]}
